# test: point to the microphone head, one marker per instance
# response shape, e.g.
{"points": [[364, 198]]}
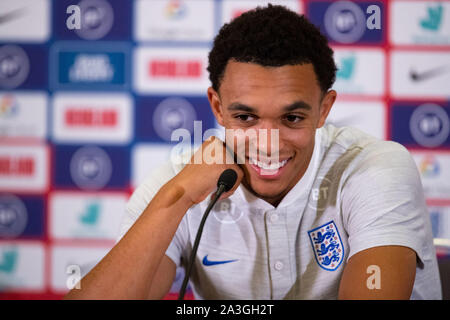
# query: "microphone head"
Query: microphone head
{"points": [[227, 179]]}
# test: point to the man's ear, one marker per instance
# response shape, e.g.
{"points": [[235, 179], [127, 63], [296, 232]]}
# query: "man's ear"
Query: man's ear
{"points": [[325, 106], [214, 102]]}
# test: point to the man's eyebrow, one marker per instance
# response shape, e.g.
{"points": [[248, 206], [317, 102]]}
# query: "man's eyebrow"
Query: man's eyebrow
{"points": [[297, 105], [237, 106]]}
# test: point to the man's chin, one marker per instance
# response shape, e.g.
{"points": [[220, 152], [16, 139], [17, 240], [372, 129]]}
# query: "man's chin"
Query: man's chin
{"points": [[267, 191]]}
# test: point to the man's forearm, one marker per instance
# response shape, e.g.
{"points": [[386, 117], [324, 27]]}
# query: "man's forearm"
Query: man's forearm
{"points": [[126, 272]]}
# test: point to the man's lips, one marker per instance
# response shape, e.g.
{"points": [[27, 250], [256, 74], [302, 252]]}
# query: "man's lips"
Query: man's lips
{"points": [[268, 169]]}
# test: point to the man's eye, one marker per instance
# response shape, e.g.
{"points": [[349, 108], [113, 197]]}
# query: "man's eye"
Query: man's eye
{"points": [[293, 118], [245, 117]]}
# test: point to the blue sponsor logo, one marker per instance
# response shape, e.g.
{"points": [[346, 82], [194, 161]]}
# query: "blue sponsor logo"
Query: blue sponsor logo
{"points": [[14, 66], [23, 67], [16, 220], [99, 20], [158, 117], [349, 22], [78, 67], [91, 167], [421, 124]]}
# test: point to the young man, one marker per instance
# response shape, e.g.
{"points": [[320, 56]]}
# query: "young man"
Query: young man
{"points": [[338, 214]]}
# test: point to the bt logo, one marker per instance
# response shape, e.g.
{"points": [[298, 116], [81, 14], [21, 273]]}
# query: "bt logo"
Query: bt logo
{"points": [[346, 21], [90, 168], [430, 125], [14, 66], [91, 19], [13, 216], [227, 212], [171, 114], [320, 194]]}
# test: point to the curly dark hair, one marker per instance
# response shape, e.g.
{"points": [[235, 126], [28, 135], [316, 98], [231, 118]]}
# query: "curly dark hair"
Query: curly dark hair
{"points": [[272, 36]]}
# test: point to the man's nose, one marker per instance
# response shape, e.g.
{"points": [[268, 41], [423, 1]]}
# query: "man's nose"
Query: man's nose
{"points": [[268, 139]]}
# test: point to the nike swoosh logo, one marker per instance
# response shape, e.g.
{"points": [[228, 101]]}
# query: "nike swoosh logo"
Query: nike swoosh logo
{"points": [[207, 262], [14, 14], [424, 75]]}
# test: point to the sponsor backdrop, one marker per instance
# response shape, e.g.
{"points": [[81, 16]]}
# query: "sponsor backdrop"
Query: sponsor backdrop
{"points": [[91, 90]]}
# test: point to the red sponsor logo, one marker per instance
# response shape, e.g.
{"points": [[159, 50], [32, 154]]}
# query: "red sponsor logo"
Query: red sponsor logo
{"points": [[17, 166], [85, 117], [173, 68]]}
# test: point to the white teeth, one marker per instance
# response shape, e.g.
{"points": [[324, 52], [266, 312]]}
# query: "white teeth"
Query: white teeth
{"points": [[267, 166]]}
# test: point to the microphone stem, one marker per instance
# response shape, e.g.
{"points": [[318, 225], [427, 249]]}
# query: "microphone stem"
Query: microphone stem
{"points": [[211, 204]]}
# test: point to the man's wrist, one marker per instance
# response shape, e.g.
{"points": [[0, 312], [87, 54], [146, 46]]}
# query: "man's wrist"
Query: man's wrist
{"points": [[176, 193]]}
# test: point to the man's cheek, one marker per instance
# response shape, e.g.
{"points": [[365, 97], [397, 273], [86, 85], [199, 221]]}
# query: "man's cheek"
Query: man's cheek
{"points": [[300, 140], [241, 142]]}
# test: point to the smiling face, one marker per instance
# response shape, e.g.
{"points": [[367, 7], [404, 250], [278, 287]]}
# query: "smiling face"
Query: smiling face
{"points": [[287, 98]]}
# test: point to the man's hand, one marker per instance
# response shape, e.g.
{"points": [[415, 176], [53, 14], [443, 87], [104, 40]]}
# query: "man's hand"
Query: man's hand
{"points": [[199, 177], [128, 271]]}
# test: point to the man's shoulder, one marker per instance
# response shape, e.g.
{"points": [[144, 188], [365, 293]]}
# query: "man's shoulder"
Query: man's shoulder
{"points": [[346, 139], [349, 149]]}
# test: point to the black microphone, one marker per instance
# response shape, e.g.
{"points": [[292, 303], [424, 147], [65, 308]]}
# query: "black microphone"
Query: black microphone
{"points": [[225, 183], [227, 179]]}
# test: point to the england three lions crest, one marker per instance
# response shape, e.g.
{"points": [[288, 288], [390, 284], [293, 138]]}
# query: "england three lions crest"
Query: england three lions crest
{"points": [[327, 246]]}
